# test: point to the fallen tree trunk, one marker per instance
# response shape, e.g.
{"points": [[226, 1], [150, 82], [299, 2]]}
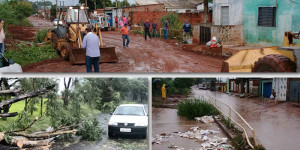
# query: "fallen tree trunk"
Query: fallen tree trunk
{"points": [[27, 95], [4, 115], [43, 135], [29, 144]]}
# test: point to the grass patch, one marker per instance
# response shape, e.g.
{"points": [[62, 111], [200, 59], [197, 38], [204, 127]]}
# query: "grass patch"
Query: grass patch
{"points": [[191, 108], [27, 55], [238, 142]]}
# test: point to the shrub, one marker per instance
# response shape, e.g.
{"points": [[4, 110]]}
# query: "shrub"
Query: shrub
{"points": [[191, 108], [40, 36], [90, 130], [175, 24]]}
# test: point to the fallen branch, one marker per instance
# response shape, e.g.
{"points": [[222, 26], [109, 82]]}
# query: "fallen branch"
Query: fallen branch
{"points": [[4, 115], [29, 144], [36, 119], [10, 92], [43, 135], [27, 95]]}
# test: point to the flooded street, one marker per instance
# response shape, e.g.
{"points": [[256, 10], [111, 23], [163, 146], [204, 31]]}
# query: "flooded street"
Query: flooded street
{"points": [[277, 127], [105, 144], [166, 121], [155, 55]]}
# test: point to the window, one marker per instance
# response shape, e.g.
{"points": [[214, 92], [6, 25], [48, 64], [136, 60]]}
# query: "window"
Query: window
{"points": [[267, 16]]}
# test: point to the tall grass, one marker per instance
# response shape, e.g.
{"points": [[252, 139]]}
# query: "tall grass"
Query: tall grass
{"points": [[191, 108], [40, 36], [31, 54]]}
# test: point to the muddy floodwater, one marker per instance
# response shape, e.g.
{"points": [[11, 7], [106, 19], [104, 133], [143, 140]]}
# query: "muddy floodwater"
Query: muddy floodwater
{"points": [[277, 127], [106, 143], [166, 121]]}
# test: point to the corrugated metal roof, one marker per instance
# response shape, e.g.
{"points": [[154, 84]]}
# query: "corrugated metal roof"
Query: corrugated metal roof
{"points": [[145, 2], [178, 4]]}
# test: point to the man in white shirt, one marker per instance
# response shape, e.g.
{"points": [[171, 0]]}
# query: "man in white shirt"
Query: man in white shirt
{"points": [[91, 44], [2, 36]]}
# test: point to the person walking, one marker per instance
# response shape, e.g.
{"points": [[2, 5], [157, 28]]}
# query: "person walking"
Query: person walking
{"points": [[125, 33], [2, 36], [147, 29], [91, 44], [125, 20], [116, 21], [166, 28], [154, 29], [186, 31]]}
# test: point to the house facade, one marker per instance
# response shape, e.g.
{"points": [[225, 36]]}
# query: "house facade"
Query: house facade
{"points": [[227, 12], [265, 21]]}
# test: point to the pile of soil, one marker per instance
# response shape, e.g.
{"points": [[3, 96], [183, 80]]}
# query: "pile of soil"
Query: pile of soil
{"points": [[21, 33]]}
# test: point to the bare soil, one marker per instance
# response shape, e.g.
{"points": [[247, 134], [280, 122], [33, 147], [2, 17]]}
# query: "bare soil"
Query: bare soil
{"points": [[155, 55]]}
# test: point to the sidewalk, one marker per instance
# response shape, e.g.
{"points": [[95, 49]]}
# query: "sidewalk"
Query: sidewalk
{"points": [[277, 127]]}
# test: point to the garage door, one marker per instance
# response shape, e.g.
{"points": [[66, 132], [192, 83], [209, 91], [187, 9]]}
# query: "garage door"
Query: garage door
{"points": [[225, 15], [294, 91]]}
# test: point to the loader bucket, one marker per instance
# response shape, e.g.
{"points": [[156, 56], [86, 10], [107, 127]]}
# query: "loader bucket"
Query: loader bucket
{"points": [[244, 60], [108, 54]]}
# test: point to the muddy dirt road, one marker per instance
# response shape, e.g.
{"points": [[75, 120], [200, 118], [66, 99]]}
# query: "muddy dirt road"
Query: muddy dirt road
{"points": [[154, 55], [276, 126]]}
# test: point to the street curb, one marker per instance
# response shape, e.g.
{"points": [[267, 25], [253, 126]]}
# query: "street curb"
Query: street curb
{"points": [[223, 128]]}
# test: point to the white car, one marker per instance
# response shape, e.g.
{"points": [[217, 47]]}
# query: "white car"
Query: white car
{"points": [[55, 22], [8, 65], [129, 119]]}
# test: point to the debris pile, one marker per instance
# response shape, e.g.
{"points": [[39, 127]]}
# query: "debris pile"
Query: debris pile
{"points": [[205, 119], [205, 137]]}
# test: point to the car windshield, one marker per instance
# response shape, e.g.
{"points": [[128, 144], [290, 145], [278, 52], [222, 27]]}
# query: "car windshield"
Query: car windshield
{"points": [[130, 110], [72, 16]]}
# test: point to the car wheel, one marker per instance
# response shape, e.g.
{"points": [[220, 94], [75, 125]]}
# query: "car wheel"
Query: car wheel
{"points": [[110, 134]]}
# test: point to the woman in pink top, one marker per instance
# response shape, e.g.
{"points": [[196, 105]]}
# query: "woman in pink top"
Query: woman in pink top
{"points": [[121, 24], [125, 20]]}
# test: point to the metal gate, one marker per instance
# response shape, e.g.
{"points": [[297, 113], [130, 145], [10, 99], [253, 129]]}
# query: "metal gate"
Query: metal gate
{"points": [[205, 34], [225, 15], [294, 91]]}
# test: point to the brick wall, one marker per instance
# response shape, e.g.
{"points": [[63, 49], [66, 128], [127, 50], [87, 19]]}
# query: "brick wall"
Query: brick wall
{"points": [[144, 8], [228, 35], [194, 18]]}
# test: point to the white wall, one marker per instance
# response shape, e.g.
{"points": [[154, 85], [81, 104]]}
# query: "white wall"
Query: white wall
{"points": [[280, 87], [116, 12], [235, 11]]}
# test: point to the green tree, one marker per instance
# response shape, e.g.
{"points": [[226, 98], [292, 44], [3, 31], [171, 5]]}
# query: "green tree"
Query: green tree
{"points": [[53, 10]]}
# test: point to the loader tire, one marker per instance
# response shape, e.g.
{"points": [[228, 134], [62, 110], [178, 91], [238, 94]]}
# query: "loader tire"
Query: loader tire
{"points": [[54, 40], [65, 51], [274, 63]]}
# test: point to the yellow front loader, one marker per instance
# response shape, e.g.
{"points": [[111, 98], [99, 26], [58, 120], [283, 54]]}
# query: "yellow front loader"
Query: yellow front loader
{"points": [[269, 59], [67, 38]]}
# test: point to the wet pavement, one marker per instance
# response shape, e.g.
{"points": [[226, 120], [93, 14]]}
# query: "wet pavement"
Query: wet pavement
{"points": [[155, 55], [166, 121], [105, 144], [277, 126]]}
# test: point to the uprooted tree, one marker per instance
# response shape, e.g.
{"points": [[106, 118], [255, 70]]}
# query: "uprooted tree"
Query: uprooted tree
{"points": [[19, 137]]}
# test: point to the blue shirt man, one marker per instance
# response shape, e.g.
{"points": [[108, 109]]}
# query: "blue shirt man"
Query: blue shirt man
{"points": [[91, 44], [187, 27]]}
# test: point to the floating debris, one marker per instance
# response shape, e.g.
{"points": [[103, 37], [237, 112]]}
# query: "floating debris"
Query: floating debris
{"points": [[205, 119]]}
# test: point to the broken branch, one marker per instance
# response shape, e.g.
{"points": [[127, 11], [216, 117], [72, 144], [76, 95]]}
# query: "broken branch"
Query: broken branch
{"points": [[4, 115], [43, 135], [36, 119], [27, 95]]}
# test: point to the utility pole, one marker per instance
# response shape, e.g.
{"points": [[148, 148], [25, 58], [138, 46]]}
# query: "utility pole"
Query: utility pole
{"points": [[63, 3], [85, 3], [59, 3], [95, 4]]}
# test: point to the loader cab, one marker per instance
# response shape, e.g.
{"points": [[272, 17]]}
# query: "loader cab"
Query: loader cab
{"points": [[77, 15]]}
